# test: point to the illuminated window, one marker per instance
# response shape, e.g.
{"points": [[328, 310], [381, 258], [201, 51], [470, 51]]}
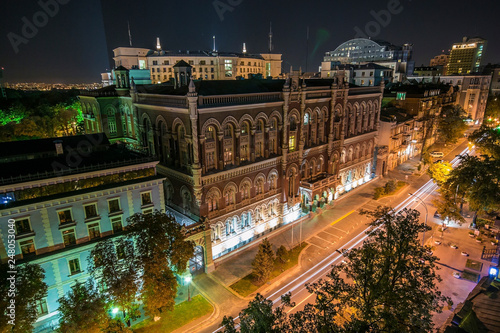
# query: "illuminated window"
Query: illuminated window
{"points": [[291, 143], [228, 67], [65, 216], [27, 247]]}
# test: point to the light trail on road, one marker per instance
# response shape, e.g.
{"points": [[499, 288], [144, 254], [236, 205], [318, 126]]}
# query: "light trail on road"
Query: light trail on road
{"points": [[323, 267]]}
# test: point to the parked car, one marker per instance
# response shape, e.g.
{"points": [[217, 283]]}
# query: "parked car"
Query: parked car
{"points": [[437, 154], [437, 215], [439, 161]]}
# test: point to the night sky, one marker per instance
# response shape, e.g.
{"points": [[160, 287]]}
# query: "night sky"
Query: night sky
{"points": [[75, 45]]}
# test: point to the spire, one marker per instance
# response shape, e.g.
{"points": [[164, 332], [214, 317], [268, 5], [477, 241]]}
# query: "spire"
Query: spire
{"points": [[244, 48], [214, 50], [192, 88], [129, 34], [270, 37], [158, 45]]}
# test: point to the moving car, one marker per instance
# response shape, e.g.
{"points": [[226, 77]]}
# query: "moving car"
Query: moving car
{"points": [[437, 154]]}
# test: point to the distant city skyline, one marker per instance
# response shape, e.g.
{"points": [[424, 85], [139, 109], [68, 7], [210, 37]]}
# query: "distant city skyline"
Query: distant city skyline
{"points": [[61, 41]]}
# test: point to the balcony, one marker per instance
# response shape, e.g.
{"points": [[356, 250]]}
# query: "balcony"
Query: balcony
{"points": [[318, 181]]}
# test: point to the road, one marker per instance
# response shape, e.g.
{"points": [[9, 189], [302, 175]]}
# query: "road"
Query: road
{"points": [[296, 286]]}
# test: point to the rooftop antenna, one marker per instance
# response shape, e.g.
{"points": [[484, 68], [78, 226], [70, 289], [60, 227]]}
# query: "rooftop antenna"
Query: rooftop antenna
{"points": [[158, 45], [129, 34], [214, 44], [270, 37], [307, 47], [244, 48]]}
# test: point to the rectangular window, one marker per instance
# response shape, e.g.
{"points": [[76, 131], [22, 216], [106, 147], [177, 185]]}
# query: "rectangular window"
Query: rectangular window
{"points": [[203, 62], [228, 67], [244, 153], [23, 226], [65, 216], [146, 198], [94, 231], [69, 237], [90, 211], [116, 224], [291, 143], [228, 155], [41, 307], [155, 62], [74, 266], [114, 205], [27, 247], [210, 160]]}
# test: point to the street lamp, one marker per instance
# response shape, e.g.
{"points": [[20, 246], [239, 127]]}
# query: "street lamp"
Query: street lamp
{"points": [[426, 213], [187, 279]]}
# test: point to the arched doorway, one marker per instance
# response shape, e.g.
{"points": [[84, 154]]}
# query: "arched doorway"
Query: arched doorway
{"points": [[197, 262]]}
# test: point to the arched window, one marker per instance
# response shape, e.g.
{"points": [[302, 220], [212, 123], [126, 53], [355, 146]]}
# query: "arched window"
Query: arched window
{"points": [[293, 124], [245, 128], [245, 191], [228, 131], [306, 119], [210, 133], [259, 186], [273, 181], [260, 126]]}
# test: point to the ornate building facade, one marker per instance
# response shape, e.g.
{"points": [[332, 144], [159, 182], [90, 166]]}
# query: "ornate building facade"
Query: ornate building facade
{"points": [[243, 158]]}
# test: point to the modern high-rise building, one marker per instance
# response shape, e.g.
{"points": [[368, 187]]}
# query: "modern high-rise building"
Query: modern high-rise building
{"points": [[466, 57]]}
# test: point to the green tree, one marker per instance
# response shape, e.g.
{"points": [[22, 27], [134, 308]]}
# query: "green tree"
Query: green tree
{"points": [[263, 263], [29, 288], [439, 172], [449, 205], [281, 254], [476, 179], [259, 316], [386, 285], [83, 309], [114, 265], [492, 111], [451, 124], [487, 141], [161, 250]]}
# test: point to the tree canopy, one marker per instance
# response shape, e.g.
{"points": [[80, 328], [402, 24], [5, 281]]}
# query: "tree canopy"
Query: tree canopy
{"points": [[140, 266], [30, 288], [83, 309], [40, 115], [487, 141], [451, 124]]}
